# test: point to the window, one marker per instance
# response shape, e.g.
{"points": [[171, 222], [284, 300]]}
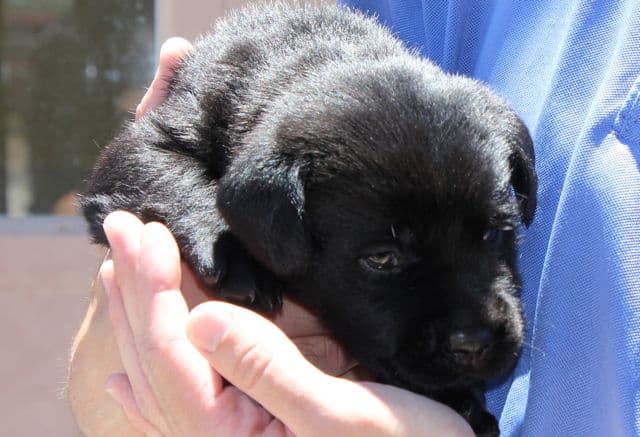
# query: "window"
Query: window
{"points": [[72, 70]]}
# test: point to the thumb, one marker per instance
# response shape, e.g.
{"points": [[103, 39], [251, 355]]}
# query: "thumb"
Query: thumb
{"points": [[255, 356]]}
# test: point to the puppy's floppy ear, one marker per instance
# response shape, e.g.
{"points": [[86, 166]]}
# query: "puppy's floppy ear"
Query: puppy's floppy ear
{"points": [[262, 201], [523, 172]]}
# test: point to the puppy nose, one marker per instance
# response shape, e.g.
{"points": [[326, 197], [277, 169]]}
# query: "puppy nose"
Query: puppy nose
{"points": [[470, 347]]}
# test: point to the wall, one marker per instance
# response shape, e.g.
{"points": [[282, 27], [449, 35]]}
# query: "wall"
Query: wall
{"points": [[46, 268]]}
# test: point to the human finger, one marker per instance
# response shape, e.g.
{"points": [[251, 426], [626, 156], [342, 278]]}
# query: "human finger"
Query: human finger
{"points": [[142, 273], [125, 341], [256, 357], [170, 385], [162, 365], [160, 336], [119, 388], [172, 52], [123, 231]]}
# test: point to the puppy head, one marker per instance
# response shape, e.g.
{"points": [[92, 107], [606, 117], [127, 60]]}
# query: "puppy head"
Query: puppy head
{"points": [[387, 200]]}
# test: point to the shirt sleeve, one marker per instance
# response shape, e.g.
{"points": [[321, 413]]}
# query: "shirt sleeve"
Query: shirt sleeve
{"points": [[571, 70]]}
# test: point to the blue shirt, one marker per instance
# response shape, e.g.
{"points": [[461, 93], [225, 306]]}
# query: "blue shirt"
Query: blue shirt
{"points": [[571, 70]]}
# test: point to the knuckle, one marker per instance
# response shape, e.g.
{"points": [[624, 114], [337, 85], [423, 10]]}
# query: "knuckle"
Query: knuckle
{"points": [[252, 367], [153, 351]]}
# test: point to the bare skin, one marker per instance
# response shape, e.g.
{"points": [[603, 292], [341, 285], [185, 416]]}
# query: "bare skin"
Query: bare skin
{"points": [[146, 362]]}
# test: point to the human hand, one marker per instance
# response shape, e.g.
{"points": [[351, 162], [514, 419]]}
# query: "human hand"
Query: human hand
{"points": [[175, 360]]}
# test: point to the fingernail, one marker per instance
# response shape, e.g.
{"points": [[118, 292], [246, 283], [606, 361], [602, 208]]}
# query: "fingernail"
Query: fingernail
{"points": [[208, 325]]}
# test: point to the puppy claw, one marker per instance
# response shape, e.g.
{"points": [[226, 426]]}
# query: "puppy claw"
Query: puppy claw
{"points": [[240, 297], [245, 282], [269, 301], [252, 290]]}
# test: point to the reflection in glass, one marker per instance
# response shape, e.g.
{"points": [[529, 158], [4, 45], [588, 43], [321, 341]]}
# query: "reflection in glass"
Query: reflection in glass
{"points": [[72, 71]]}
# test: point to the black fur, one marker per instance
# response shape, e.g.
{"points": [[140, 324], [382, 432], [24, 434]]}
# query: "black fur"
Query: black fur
{"points": [[306, 150]]}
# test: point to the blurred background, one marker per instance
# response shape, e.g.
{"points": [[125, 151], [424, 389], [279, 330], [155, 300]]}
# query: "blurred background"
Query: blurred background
{"points": [[71, 71]]}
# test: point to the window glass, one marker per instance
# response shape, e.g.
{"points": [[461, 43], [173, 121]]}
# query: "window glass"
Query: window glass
{"points": [[72, 71]]}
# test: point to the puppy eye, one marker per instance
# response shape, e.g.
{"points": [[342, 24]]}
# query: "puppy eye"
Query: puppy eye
{"points": [[494, 237], [381, 261]]}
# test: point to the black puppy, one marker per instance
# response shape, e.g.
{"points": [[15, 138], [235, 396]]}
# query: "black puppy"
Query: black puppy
{"points": [[305, 150]]}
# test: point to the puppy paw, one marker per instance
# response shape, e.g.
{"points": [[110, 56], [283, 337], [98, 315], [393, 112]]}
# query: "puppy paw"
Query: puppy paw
{"points": [[95, 208], [486, 426], [245, 281], [246, 285], [470, 404], [208, 264]]}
